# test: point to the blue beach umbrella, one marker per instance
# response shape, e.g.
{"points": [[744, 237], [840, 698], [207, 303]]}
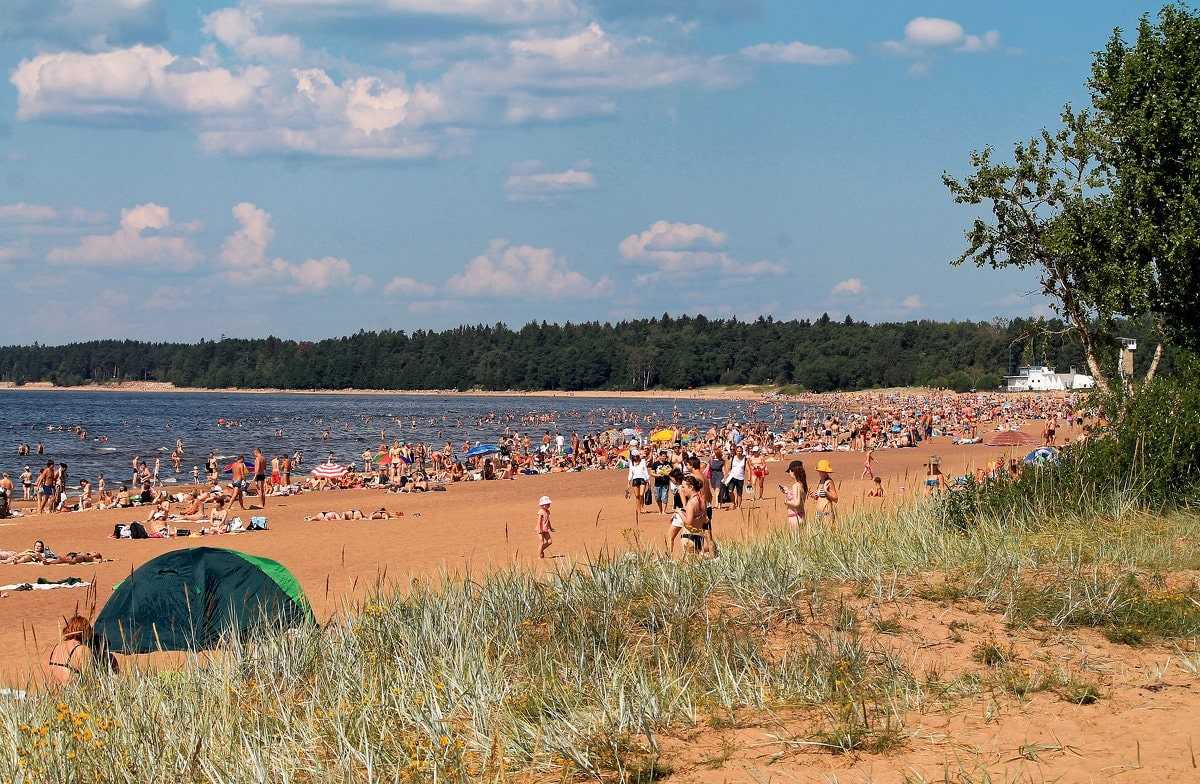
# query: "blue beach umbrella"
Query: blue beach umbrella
{"points": [[482, 449], [1043, 454]]}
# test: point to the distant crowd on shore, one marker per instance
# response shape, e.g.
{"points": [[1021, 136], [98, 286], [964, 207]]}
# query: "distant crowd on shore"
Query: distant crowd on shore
{"points": [[864, 422]]}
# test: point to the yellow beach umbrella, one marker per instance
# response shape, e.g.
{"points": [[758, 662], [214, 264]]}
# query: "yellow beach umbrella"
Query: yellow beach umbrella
{"points": [[662, 436]]}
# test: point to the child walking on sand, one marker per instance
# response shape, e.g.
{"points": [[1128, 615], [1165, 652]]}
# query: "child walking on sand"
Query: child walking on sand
{"points": [[544, 528]]}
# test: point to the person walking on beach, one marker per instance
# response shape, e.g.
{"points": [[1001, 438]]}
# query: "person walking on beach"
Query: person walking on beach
{"points": [[737, 476], [639, 478], [260, 477], [795, 496], [825, 493], [869, 465], [544, 528], [706, 496]]}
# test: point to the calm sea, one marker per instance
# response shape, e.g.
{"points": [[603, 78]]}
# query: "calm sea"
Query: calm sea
{"points": [[123, 425]]}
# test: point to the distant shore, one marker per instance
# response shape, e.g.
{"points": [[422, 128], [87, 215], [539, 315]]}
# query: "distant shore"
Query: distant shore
{"points": [[706, 393]]}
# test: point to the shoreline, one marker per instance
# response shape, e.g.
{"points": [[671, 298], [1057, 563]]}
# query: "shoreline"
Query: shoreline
{"points": [[708, 393]]}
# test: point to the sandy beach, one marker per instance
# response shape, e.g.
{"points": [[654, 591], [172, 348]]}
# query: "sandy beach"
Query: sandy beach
{"points": [[473, 526]]}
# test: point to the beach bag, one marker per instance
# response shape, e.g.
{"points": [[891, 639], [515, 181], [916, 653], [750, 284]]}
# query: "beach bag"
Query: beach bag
{"points": [[647, 496], [258, 523], [723, 496], [183, 532], [138, 531]]}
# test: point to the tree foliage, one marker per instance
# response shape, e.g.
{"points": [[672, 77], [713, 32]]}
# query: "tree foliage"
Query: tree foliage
{"points": [[1107, 208], [667, 352]]}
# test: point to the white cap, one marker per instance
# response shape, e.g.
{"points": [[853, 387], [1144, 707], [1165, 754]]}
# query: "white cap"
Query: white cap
{"points": [[544, 501]]}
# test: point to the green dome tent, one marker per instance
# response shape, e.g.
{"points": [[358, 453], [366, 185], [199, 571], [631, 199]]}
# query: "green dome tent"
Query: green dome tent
{"points": [[188, 599]]}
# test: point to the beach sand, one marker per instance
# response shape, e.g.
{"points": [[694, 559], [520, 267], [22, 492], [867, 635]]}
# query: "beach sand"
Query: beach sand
{"points": [[473, 526], [481, 526]]}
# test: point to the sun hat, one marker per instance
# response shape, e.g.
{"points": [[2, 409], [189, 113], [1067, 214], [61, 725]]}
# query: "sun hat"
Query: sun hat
{"points": [[824, 466], [544, 501]]}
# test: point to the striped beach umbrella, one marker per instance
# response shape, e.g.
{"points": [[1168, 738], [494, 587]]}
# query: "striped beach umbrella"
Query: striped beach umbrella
{"points": [[329, 471]]}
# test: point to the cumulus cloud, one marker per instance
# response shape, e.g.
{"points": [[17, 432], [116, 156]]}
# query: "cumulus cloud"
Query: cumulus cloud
{"points": [[245, 261], [247, 110], [925, 34], [673, 247], [912, 302], [133, 82], [401, 286], [525, 272], [798, 53], [851, 287], [146, 237], [89, 24], [237, 29], [530, 182]]}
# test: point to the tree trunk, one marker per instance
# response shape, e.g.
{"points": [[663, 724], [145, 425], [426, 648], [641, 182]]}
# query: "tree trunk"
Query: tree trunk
{"points": [[1153, 364]]}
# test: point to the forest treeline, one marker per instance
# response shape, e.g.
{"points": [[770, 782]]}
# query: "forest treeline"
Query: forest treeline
{"points": [[667, 352]]}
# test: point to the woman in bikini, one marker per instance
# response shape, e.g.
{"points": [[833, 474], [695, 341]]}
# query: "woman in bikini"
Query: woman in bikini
{"points": [[795, 496], [825, 493], [758, 472], [74, 657]]}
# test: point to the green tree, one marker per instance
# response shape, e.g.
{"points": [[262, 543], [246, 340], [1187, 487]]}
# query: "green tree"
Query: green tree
{"points": [[1147, 99]]}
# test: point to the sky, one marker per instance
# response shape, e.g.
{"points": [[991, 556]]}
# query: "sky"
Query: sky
{"points": [[311, 168]]}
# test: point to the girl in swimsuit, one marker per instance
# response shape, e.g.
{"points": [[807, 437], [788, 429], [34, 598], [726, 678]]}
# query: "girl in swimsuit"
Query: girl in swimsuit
{"points": [[794, 498], [73, 657]]}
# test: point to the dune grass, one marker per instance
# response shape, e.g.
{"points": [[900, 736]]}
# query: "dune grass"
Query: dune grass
{"points": [[584, 674]]}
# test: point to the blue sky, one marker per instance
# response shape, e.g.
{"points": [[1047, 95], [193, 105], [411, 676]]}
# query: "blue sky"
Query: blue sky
{"points": [[308, 168]]}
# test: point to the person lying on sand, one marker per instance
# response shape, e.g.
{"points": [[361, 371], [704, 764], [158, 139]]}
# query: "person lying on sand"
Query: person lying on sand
{"points": [[39, 553], [382, 514], [323, 516]]}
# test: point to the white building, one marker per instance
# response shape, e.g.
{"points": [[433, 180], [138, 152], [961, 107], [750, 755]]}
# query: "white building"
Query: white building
{"points": [[1040, 378]]}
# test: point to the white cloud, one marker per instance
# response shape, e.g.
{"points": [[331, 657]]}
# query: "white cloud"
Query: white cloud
{"points": [[798, 53], [144, 238], [244, 111], [523, 271], [588, 62], [674, 247], [13, 253], [924, 35], [138, 81], [400, 286], [912, 302], [932, 31], [25, 213], [245, 261], [237, 29], [91, 24], [987, 42], [529, 182], [851, 287]]}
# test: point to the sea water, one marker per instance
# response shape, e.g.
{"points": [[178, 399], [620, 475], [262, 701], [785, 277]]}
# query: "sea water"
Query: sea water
{"points": [[121, 426]]}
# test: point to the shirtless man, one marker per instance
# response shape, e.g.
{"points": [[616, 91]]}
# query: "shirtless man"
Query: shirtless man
{"points": [[45, 487]]}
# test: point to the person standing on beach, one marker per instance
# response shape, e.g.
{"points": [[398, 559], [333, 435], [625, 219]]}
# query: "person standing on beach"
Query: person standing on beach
{"points": [[26, 484], [639, 478], [869, 465], [544, 528], [795, 496], [45, 487], [825, 493], [260, 477], [239, 481]]}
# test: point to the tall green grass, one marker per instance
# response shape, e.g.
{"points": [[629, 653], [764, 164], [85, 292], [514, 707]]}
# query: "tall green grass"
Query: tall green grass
{"points": [[587, 672]]}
